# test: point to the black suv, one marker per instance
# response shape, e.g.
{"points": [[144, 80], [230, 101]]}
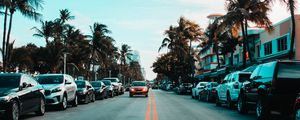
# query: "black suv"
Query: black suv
{"points": [[20, 94], [272, 86]]}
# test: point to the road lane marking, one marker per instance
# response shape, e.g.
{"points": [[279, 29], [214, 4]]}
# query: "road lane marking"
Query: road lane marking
{"points": [[151, 108], [154, 111], [148, 109]]}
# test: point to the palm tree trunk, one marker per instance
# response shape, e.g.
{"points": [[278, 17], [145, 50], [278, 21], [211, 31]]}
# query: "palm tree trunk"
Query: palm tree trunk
{"points": [[247, 42], [8, 37], [244, 43], [3, 41], [291, 52]]}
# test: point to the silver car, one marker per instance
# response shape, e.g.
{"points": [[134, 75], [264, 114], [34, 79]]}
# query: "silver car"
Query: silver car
{"points": [[60, 89]]}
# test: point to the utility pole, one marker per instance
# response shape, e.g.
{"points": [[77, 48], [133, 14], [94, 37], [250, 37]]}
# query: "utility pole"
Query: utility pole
{"points": [[65, 62], [109, 73]]}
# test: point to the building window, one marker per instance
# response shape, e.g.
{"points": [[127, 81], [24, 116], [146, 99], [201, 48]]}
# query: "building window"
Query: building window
{"points": [[237, 57], [257, 50], [282, 44], [268, 48]]}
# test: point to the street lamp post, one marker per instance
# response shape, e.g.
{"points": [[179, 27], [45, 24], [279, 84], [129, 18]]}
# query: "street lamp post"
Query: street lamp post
{"points": [[109, 73], [65, 62]]}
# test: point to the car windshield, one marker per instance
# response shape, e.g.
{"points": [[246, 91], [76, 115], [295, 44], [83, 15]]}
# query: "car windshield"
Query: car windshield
{"points": [[96, 84], [9, 81], [59, 79], [289, 70], [112, 80], [80, 84], [138, 84], [187, 84], [106, 82]]}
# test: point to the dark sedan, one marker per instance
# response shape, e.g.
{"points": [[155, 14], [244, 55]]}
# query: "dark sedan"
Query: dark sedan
{"points": [[20, 94], [209, 92], [110, 88], [185, 88], [100, 89], [85, 91]]}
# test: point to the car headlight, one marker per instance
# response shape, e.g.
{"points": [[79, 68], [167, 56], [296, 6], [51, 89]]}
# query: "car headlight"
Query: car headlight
{"points": [[5, 98], [56, 90]]}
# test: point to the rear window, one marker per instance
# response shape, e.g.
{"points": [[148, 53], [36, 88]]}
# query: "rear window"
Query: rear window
{"points": [[214, 84], [55, 79], [106, 82], [80, 84], [9, 81], [96, 84], [288, 70], [203, 84], [244, 77]]}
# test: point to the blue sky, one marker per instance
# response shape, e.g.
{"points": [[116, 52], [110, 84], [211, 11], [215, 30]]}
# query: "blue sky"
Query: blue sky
{"points": [[138, 23]]}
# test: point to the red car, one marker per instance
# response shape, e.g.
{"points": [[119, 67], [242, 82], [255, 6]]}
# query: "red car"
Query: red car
{"points": [[297, 108], [138, 88]]}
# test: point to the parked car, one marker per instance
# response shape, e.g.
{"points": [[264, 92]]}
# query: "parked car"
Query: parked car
{"points": [[85, 91], [197, 89], [20, 94], [154, 86], [185, 88], [100, 89], [169, 87], [118, 87], [209, 92], [109, 88], [272, 86], [297, 108], [138, 88], [229, 89], [60, 89]]}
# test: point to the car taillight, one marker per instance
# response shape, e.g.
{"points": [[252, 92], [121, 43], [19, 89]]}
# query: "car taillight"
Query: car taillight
{"points": [[236, 85], [131, 89]]}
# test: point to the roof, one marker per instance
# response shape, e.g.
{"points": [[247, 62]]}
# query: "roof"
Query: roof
{"points": [[214, 15]]}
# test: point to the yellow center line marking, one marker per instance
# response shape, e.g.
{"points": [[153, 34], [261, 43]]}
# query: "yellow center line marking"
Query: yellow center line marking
{"points": [[151, 108]]}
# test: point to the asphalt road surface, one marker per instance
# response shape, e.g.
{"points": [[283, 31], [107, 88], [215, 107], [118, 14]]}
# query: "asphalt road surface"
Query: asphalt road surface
{"points": [[160, 105]]}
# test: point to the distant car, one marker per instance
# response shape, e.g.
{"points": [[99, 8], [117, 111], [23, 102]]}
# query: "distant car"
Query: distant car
{"points": [[197, 89], [60, 89], [209, 92], [109, 88], [229, 89], [85, 91], [154, 86], [273, 86], [169, 87], [100, 89], [138, 88], [20, 94], [118, 87], [185, 88], [297, 108]]}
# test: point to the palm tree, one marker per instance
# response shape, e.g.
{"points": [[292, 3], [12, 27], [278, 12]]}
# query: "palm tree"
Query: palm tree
{"points": [[240, 12], [27, 8], [65, 15], [45, 32], [125, 54]]}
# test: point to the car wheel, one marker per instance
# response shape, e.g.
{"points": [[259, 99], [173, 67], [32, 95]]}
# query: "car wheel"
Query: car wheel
{"points": [[193, 97], [146, 95], [112, 94], [75, 101], [262, 110], [63, 105], [241, 105], [218, 100], [199, 97], [86, 99], [13, 113], [230, 104], [130, 95], [297, 115], [41, 109], [207, 97], [93, 98]]}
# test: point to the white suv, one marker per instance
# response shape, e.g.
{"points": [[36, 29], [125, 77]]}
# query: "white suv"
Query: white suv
{"points": [[229, 89], [118, 87], [196, 90], [60, 89]]}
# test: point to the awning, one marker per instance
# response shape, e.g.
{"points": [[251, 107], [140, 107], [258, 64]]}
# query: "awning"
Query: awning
{"points": [[222, 71], [202, 76]]}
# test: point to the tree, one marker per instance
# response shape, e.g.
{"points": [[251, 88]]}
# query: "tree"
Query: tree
{"points": [[46, 31], [27, 8], [240, 12]]}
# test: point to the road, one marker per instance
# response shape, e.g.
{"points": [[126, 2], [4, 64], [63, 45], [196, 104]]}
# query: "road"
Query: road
{"points": [[160, 105]]}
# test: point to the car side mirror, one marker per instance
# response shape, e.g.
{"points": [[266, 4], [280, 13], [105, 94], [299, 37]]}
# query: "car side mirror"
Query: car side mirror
{"points": [[68, 82], [88, 87]]}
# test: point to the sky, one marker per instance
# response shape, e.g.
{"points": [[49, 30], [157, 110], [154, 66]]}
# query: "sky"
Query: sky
{"points": [[138, 23]]}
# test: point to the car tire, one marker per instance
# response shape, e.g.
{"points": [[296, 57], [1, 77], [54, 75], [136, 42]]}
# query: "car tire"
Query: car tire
{"points": [[218, 101], [207, 97], [112, 94], [75, 101], [13, 113], [262, 109], [93, 98], [146, 95], [86, 99], [63, 105], [130, 95], [242, 105], [41, 110], [193, 97], [230, 103]]}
